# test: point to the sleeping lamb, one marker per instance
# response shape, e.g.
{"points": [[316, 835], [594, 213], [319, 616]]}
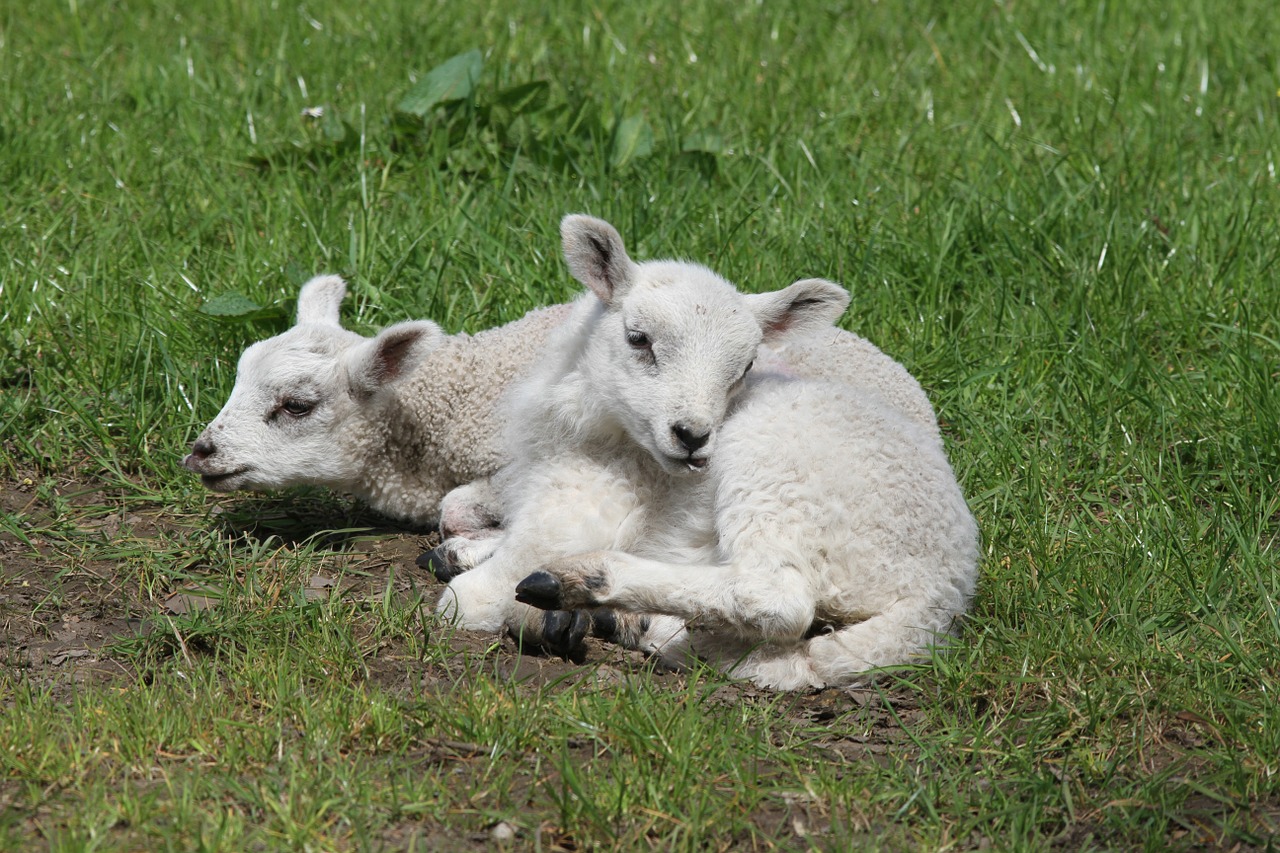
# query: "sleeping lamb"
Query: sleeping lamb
{"points": [[398, 420], [804, 530]]}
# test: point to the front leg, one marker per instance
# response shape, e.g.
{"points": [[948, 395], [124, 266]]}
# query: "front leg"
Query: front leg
{"points": [[581, 580], [771, 603], [540, 530], [459, 554], [471, 526]]}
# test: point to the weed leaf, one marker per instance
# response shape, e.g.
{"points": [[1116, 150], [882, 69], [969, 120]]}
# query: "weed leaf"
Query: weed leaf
{"points": [[451, 80], [334, 128], [525, 98], [705, 141], [633, 139], [237, 306]]}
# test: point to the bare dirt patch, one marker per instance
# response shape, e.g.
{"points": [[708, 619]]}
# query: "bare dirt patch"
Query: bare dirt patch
{"points": [[58, 616]]}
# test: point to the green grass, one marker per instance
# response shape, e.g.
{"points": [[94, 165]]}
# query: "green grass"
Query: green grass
{"points": [[1060, 216]]}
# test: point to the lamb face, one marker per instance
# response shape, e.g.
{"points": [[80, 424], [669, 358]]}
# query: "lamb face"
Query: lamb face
{"points": [[282, 424], [667, 371], [675, 341], [305, 400]]}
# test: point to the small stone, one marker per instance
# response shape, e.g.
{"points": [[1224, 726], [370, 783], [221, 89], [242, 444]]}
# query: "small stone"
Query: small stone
{"points": [[502, 832]]}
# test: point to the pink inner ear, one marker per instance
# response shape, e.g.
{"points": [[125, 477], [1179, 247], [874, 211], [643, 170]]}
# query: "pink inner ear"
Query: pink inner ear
{"points": [[601, 261], [779, 324], [783, 320], [794, 311], [392, 353], [599, 267]]}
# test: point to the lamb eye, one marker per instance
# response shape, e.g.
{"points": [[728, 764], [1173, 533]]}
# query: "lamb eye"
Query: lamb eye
{"points": [[296, 408], [750, 364], [638, 340]]}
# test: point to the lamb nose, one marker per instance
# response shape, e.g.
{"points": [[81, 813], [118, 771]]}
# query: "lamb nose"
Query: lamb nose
{"points": [[690, 440], [203, 449]]}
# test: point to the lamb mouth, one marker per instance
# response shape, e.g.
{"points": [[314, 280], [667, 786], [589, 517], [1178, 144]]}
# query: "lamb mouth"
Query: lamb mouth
{"points": [[693, 464], [221, 482]]}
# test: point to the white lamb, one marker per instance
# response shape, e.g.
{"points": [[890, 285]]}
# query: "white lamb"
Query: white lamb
{"points": [[804, 530], [398, 420]]}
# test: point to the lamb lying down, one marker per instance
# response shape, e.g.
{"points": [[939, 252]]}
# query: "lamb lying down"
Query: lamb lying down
{"points": [[398, 420], [803, 530]]}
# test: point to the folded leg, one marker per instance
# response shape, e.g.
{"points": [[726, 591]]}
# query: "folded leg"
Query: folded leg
{"points": [[724, 598], [605, 513]]}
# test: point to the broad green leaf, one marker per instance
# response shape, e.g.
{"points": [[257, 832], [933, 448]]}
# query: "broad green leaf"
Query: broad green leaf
{"points": [[230, 304], [525, 98], [633, 138], [705, 141], [333, 127], [237, 306], [451, 80]]}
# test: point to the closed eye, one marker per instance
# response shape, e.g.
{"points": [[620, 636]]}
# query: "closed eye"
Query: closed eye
{"points": [[296, 408]]}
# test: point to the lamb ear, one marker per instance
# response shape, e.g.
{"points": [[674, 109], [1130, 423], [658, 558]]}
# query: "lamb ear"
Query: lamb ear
{"points": [[807, 305], [596, 256], [319, 300], [393, 353]]}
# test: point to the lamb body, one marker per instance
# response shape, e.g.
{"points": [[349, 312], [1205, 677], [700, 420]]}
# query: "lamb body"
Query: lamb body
{"points": [[659, 473]]}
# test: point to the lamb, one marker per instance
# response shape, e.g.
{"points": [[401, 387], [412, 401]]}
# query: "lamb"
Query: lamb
{"points": [[398, 420], [797, 532]]}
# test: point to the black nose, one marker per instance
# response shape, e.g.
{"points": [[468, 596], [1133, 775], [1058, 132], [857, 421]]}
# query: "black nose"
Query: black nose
{"points": [[203, 449], [688, 438]]}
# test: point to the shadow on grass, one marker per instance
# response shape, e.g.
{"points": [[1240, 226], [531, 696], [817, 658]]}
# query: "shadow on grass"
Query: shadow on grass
{"points": [[300, 516]]}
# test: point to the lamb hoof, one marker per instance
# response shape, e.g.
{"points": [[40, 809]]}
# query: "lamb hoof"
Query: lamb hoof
{"points": [[540, 590], [563, 632], [604, 624], [436, 562]]}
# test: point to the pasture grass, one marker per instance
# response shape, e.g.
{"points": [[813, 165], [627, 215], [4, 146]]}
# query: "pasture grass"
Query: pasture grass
{"points": [[1060, 216]]}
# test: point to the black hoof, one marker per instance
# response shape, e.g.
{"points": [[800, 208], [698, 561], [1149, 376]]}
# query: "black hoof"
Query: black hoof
{"points": [[540, 590], [604, 624], [438, 564], [563, 632]]}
